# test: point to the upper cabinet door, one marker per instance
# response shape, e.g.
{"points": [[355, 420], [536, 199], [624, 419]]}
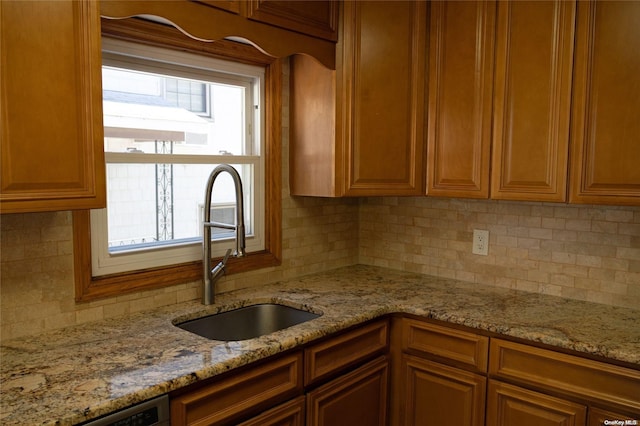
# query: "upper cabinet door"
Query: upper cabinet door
{"points": [[318, 18], [606, 104], [52, 138], [462, 36], [534, 57], [383, 96]]}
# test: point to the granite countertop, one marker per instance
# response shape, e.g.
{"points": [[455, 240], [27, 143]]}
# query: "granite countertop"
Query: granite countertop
{"points": [[79, 373]]}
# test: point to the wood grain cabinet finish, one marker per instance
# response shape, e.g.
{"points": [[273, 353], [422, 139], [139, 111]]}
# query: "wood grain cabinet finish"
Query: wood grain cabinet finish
{"points": [[598, 417], [461, 48], [357, 398], [576, 377], [255, 389], [509, 405], [291, 413], [436, 394], [318, 18], [445, 344], [606, 102], [439, 374], [52, 155], [334, 355], [532, 100], [360, 131]]}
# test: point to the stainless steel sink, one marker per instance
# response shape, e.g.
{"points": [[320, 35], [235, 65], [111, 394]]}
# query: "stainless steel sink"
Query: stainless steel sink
{"points": [[247, 322]]}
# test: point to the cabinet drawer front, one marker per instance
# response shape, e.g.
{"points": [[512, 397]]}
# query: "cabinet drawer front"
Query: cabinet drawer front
{"points": [[445, 344], [570, 374], [256, 388], [328, 357]]}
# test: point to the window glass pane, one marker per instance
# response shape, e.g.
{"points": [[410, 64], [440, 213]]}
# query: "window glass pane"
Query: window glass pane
{"points": [[198, 117], [152, 205]]}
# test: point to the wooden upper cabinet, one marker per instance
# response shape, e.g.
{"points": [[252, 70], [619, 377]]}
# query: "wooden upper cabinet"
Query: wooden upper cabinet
{"points": [[532, 100], [384, 96], [52, 138], [318, 18], [359, 130], [606, 104], [462, 35]]}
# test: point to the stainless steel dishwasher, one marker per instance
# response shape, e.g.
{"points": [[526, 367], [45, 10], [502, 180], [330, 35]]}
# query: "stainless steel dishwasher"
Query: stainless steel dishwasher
{"points": [[154, 412]]}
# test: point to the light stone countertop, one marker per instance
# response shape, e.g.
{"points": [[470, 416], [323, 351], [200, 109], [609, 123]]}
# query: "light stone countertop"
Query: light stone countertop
{"points": [[79, 373]]}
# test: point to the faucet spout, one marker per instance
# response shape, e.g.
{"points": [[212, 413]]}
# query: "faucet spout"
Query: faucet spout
{"points": [[211, 276]]}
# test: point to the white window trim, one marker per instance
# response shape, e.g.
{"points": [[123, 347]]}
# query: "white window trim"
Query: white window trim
{"points": [[104, 262]]}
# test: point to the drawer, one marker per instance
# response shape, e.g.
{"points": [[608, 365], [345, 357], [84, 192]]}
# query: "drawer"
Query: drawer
{"points": [[253, 389], [335, 354], [570, 374], [445, 344]]}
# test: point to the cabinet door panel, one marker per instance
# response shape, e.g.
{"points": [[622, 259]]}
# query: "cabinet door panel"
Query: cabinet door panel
{"points": [[318, 18], [52, 139], [605, 141], [510, 405], [597, 417], [358, 398], [436, 395], [462, 36], [385, 45], [534, 57]]}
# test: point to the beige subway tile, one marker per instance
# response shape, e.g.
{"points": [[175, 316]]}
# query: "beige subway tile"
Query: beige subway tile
{"points": [[562, 280], [526, 285], [619, 215], [613, 287], [86, 314], [594, 261], [553, 223], [587, 283], [561, 257], [566, 212], [632, 254], [578, 225]]}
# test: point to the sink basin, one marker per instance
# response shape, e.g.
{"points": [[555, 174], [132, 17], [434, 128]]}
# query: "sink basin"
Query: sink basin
{"points": [[247, 322]]}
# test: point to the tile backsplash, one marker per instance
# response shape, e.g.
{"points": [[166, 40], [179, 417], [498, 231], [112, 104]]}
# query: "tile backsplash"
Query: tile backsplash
{"points": [[580, 252]]}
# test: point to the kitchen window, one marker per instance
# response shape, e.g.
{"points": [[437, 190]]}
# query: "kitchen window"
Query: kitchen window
{"points": [[170, 117], [160, 152]]}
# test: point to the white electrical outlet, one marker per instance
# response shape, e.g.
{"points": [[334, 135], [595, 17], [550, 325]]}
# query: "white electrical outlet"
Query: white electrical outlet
{"points": [[480, 242]]}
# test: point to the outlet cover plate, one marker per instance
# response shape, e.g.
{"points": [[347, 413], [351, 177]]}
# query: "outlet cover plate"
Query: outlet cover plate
{"points": [[480, 242]]}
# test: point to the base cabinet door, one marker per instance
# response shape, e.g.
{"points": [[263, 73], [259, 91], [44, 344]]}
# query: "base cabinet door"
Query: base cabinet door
{"points": [[290, 413], [436, 394], [357, 398], [509, 405], [600, 417]]}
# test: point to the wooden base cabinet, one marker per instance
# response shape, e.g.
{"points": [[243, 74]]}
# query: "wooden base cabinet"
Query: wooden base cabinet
{"points": [[436, 394], [357, 398], [509, 405], [439, 375], [290, 413]]}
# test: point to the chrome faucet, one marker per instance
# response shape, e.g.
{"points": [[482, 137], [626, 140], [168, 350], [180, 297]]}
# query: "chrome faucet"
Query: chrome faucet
{"points": [[211, 276]]}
